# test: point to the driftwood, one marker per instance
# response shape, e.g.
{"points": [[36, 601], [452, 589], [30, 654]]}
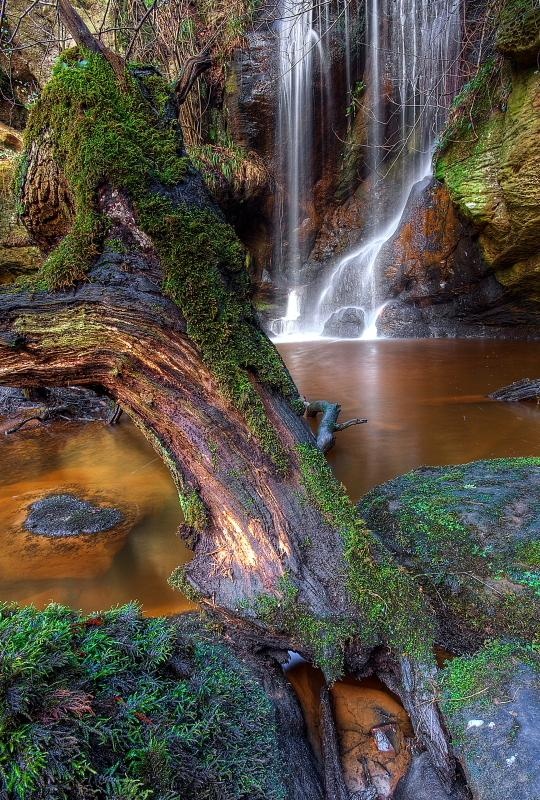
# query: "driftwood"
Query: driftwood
{"points": [[329, 425], [525, 389]]}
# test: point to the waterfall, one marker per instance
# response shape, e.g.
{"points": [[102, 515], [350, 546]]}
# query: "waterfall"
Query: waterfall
{"points": [[305, 120], [412, 48]]}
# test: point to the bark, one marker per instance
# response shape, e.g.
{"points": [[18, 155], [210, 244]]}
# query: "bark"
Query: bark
{"points": [[193, 69], [525, 389]]}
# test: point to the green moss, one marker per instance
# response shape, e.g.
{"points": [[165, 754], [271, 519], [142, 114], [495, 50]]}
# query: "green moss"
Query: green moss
{"points": [[389, 599], [481, 101], [178, 580], [132, 140], [115, 706], [476, 679], [431, 517], [529, 553], [324, 637], [194, 510]]}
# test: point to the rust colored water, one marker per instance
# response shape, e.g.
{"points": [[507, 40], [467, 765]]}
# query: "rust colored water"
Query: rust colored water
{"points": [[426, 404], [425, 401], [117, 467], [359, 708]]}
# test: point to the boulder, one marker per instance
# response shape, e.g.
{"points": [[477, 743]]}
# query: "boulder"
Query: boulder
{"points": [[346, 323], [60, 515], [422, 782], [491, 703], [471, 534]]}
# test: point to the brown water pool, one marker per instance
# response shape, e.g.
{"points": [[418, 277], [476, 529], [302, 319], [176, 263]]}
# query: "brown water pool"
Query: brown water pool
{"points": [[425, 401], [117, 467]]}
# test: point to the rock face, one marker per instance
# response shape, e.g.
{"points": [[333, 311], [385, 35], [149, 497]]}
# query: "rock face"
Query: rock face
{"points": [[491, 168], [346, 323], [471, 533], [62, 515], [494, 724], [434, 270]]}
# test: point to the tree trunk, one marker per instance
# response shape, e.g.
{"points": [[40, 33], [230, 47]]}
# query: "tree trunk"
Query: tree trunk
{"points": [[147, 297]]}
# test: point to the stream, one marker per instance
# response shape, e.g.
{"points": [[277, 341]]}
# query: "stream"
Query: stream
{"points": [[425, 402]]}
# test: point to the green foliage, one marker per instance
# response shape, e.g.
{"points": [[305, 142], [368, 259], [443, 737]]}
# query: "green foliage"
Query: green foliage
{"points": [[476, 679], [355, 96], [325, 637], [389, 599], [95, 707], [131, 139]]}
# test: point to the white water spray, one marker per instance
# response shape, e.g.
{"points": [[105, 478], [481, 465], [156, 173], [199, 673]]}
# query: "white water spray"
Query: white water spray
{"points": [[413, 47]]}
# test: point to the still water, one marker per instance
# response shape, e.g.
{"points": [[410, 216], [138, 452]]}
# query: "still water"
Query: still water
{"points": [[425, 401], [113, 466]]}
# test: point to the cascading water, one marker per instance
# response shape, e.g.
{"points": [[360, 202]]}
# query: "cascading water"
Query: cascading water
{"points": [[303, 62], [412, 52]]}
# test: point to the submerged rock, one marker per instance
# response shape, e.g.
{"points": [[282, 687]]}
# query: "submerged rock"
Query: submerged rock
{"points": [[471, 534], [346, 323], [62, 515]]}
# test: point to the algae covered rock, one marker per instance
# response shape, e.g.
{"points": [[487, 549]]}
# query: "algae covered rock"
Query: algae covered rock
{"points": [[66, 515], [471, 534], [491, 703], [489, 159]]}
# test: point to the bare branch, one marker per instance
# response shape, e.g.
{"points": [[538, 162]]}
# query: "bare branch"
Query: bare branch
{"points": [[329, 425], [194, 67]]}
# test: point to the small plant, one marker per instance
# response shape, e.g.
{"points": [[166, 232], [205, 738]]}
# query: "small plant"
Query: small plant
{"points": [[97, 706]]}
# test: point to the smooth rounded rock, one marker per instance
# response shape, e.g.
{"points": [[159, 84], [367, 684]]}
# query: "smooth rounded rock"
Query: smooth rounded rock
{"points": [[60, 515], [346, 323]]}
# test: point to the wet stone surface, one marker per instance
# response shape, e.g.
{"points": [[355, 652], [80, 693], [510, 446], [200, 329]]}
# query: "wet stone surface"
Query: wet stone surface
{"points": [[60, 515]]}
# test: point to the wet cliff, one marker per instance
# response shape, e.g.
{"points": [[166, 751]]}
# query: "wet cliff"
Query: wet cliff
{"points": [[465, 259]]}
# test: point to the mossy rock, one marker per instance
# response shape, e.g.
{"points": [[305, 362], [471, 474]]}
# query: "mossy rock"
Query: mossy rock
{"points": [[471, 534], [60, 515], [489, 159], [518, 31], [491, 704]]}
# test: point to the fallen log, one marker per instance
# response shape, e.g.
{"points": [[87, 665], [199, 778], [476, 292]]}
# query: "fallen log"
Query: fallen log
{"points": [[525, 389]]}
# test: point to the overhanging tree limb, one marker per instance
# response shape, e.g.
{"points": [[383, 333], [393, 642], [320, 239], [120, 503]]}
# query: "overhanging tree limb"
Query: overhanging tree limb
{"points": [[82, 35]]}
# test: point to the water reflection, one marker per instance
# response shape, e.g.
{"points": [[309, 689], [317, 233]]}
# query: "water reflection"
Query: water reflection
{"points": [[117, 467], [425, 402]]}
